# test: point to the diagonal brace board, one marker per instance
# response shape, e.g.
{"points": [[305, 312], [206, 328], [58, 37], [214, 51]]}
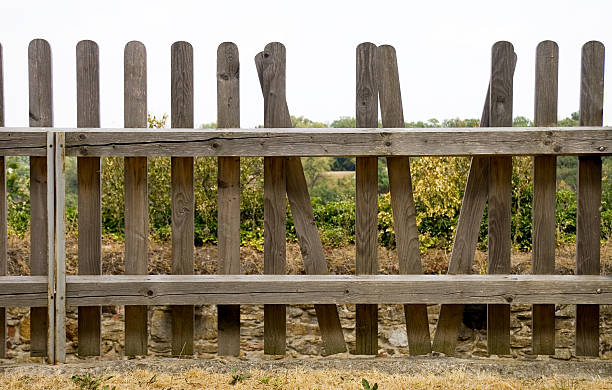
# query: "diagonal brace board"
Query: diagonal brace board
{"points": [[301, 208], [402, 200], [466, 237]]}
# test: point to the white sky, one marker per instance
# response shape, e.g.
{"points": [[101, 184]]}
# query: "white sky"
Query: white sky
{"points": [[443, 50]]}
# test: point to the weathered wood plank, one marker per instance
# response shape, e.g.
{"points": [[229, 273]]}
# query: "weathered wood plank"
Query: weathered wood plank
{"points": [[89, 193], [544, 190], [228, 182], [366, 197], [41, 115], [324, 142], [271, 70], [183, 207], [22, 142], [308, 235], [500, 195], [333, 289], [136, 195], [51, 263], [274, 250], [3, 216], [23, 291], [588, 218], [59, 248], [466, 237], [402, 200]]}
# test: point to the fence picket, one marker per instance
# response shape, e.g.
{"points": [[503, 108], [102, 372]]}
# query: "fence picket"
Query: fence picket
{"points": [[500, 195], [89, 194], [366, 198], [588, 216], [402, 200], [309, 240], [228, 180], [136, 195], [41, 115], [270, 65], [182, 194], [544, 189], [3, 219]]}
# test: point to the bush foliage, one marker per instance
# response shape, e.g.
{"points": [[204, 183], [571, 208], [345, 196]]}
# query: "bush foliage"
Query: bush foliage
{"points": [[438, 184]]}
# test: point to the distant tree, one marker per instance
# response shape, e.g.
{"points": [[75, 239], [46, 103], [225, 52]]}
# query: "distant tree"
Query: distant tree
{"points": [[211, 125], [571, 121], [420, 124], [521, 121], [301, 122], [344, 122], [460, 122]]}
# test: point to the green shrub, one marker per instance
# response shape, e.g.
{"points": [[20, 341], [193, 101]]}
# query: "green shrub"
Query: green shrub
{"points": [[438, 184]]}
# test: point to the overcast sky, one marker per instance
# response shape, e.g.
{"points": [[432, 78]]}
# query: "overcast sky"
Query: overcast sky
{"points": [[443, 50]]}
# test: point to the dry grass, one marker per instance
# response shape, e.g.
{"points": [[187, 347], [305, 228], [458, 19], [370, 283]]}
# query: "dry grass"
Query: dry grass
{"points": [[300, 379]]}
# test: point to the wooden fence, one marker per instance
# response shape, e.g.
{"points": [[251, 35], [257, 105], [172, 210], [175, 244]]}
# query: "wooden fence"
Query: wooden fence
{"points": [[48, 290]]}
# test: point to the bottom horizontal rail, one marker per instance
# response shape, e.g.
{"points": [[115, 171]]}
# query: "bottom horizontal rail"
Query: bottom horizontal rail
{"points": [[336, 289]]}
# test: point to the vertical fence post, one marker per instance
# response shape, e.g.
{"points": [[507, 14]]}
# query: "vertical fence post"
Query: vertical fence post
{"points": [[271, 66], [228, 183], [588, 218], [3, 220], [366, 199], [136, 197], [41, 115], [500, 195], [59, 247], [89, 194], [402, 200], [51, 277], [544, 189], [182, 194]]}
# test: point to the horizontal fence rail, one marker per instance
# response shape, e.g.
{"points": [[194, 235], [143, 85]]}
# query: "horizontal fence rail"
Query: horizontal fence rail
{"points": [[501, 141], [336, 289], [489, 183], [106, 290]]}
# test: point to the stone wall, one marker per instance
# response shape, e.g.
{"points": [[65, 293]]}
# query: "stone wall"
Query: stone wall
{"points": [[303, 337]]}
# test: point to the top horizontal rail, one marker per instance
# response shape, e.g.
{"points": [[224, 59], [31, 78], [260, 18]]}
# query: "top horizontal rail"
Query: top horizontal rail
{"points": [[510, 141]]}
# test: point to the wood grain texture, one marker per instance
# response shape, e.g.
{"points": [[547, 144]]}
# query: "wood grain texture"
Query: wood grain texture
{"points": [[366, 196], [136, 195], [402, 200], [182, 193], [500, 194], [303, 216], [320, 142], [51, 247], [89, 193], [59, 249], [330, 289], [228, 183], [41, 115], [271, 62], [544, 190], [28, 291], [588, 216], [3, 216]]}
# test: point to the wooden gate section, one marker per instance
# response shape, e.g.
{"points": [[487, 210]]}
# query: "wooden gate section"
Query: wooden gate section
{"points": [[48, 290]]}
